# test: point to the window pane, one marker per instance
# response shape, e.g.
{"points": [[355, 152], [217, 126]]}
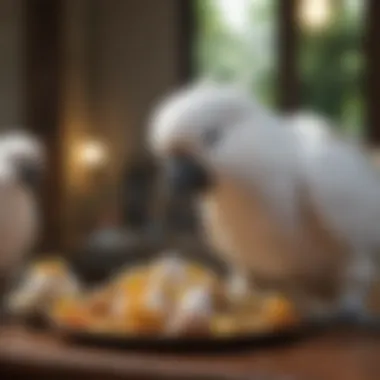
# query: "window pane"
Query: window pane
{"points": [[331, 60], [236, 39]]}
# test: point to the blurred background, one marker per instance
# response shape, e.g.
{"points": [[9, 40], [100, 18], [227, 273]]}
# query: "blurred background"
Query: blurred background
{"points": [[84, 74]]}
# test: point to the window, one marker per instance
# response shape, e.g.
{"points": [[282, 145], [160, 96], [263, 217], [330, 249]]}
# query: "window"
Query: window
{"points": [[236, 40], [331, 60]]}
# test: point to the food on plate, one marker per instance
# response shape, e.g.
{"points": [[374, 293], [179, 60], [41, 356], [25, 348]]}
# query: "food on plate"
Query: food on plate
{"points": [[237, 290], [72, 312], [169, 297], [279, 311], [43, 283], [193, 312]]}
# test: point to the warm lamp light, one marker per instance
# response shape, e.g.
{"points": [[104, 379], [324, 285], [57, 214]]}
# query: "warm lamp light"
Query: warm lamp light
{"points": [[93, 154], [315, 14]]}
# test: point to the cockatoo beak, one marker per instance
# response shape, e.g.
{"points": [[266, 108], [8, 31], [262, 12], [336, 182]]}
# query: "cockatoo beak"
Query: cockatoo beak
{"points": [[30, 174], [185, 176]]}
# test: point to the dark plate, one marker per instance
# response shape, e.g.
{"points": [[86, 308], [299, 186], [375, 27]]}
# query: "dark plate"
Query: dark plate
{"points": [[193, 344]]}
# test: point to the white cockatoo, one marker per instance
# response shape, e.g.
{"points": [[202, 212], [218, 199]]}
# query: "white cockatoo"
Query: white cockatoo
{"points": [[283, 199], [21, 165]]}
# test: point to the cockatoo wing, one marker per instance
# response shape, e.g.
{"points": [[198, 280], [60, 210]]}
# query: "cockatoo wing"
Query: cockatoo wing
{"points": [[345, 190]]}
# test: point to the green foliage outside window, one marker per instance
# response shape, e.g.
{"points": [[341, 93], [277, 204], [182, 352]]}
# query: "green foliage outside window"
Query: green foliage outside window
{"points": [[330, 60]]}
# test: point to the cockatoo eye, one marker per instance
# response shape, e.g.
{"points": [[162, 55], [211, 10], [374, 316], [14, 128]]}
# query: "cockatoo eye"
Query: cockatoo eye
{"points": [[211, 136]]}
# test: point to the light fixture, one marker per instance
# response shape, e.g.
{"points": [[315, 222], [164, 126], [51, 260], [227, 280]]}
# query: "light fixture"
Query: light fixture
{"points": [[315, 14], [93, 154]]}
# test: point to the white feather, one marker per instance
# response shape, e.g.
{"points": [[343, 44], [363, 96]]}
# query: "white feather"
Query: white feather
{"points": [[19, 222]]}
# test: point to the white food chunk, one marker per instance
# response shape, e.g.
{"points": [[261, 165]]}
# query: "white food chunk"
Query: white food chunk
{"points": [[193, 313]]}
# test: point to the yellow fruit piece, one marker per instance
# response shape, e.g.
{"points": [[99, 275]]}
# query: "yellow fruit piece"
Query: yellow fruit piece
{"points": [[52, 267], [71, 313], [279, 312], [196, 274], [64, 305], [145, 320], [109, 326], [98, 304], [254, 324], [134, 283], [224, 325]]}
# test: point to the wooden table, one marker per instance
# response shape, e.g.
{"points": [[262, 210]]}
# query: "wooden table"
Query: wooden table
{"points": [[338, 355]]}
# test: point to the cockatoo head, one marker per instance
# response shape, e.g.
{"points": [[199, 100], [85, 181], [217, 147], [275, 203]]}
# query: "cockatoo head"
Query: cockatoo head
{"points": [[22, 158], [195, 131]]}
